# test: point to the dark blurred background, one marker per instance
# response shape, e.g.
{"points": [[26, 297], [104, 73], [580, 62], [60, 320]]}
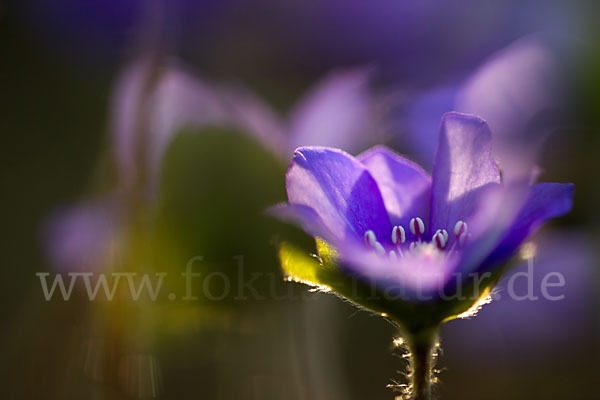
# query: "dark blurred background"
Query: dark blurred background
{"points": [[60, 63]]}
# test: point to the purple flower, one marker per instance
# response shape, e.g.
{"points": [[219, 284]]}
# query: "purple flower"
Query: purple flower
{"points": [[394, 226], [337, 111], [513, 91], [82, 237], [171, 101], [152, 104]]}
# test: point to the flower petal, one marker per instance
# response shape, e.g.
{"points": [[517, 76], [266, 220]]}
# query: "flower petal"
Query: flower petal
{"points": [[509, 90], [417, 275], [507, 217], [499, 207], [420, 120], [184, 100], [125, 110], [305, 217], [340, 190], [337, 112], [404, 185], [544, 202], [175, 99], [463, 167], [81, 237]]}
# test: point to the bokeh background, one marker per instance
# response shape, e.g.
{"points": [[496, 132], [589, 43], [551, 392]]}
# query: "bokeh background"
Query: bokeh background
{"points": [[84, 99]]}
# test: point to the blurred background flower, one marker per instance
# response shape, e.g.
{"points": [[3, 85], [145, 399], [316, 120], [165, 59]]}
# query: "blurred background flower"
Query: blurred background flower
{"points": [[518, 91], [266, 70]]}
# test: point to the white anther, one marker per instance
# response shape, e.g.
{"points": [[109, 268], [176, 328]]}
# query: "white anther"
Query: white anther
{"points": [[417, 227], [414, 245], [460, 227], [445, 233], [379, 249], [370, 238], [393, 255], [439, 239], [398, 235]]}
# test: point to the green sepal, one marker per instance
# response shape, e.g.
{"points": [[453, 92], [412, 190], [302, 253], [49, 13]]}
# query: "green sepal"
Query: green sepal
{"points": [[322, 272]]}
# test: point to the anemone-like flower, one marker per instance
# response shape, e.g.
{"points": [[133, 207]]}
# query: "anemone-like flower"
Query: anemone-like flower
{"points": [[517, 90], [424, 248], [168, 99]]}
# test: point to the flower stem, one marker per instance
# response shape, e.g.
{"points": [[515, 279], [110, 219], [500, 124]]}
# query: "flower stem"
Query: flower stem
{"points": [[421, 346]]}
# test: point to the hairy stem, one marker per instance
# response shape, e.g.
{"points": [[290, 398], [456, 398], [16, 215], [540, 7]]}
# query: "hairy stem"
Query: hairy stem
{"points": [[421, 346]]}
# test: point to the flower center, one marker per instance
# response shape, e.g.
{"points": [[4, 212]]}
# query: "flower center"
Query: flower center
{"points": [[438, 243]]}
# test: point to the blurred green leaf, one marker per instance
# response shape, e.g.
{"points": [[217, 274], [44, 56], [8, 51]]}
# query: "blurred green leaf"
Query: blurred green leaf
{"points": [[214, 187]]}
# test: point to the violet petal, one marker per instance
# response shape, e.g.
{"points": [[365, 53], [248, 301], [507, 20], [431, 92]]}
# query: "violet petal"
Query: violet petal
{"points": [[463, 167], [341, 191], [404, 185]]}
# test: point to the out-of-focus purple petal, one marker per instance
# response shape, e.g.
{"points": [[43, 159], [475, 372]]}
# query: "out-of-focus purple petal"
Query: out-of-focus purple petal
{"points": [[404, 185], [305, 217], [341, 191], [509, 91], [417, 273], [498, 207], [463, 167], [544, 201], [250, 114], [507, 217], [421, 122], [80, 238], [337, 112], [182, 100], [512, 86], [126, 103], [175, 99]]}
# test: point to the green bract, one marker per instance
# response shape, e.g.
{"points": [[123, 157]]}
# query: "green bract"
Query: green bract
{"points": [[322, 272]]}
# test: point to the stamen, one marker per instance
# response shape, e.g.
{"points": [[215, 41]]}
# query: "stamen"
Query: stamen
{"points": [[417, 227], [439, 239], [414, 245], [370, 238], [393, 255], [445, 233], [463, 236], [398, 235], [379, 248], [460, 228]]}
